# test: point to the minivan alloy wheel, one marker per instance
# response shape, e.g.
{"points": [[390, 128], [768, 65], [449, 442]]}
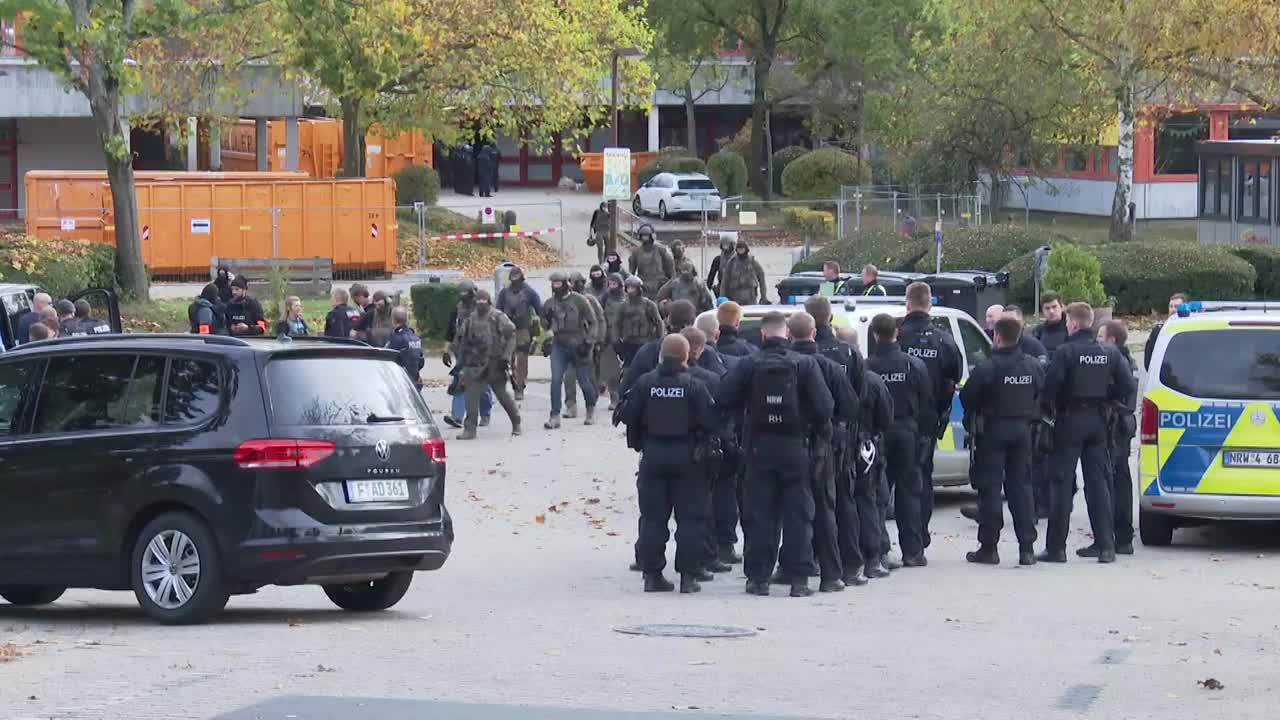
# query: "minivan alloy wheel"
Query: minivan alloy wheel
{"points": [[170, 569]]}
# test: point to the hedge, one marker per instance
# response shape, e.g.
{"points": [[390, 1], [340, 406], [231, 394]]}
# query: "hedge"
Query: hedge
{"points": [[783, 158], [817, 224], [671, 163], [989, 247], [1266, 263], [728, 171], [818, 175], [885, 249], [60, 266], [1141, 275], [1074, 273], [417, 183], [432, 304]]}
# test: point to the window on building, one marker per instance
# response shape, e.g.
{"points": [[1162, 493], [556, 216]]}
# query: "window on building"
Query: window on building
{"points": [[1215, 188], [1176, 138], [8, 38], [1077, 160], [1253, 190]]}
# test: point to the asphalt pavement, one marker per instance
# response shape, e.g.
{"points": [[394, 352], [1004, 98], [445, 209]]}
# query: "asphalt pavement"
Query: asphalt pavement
{"points": [[524, 616]]}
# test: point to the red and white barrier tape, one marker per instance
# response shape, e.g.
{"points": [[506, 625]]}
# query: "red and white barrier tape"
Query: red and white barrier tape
{"points": [[482, 236]]}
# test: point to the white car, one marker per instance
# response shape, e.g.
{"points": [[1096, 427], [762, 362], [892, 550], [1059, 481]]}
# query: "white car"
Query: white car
{"points": [[670, 194], [951, 459]]}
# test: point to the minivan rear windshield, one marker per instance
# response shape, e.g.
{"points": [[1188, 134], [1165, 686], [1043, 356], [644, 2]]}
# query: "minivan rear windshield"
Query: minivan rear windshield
{"points": [[318, 391], [1230, 364], [697, 185]]}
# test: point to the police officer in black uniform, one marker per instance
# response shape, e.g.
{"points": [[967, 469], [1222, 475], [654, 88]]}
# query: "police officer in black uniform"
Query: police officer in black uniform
{"points": [[405, 342], [1001, 400], [664, 413], [1085, 380], [1124, 425], [919, 338], [713, 462], [1052, 332], [911, 388], [784, 397], [825, 466]]}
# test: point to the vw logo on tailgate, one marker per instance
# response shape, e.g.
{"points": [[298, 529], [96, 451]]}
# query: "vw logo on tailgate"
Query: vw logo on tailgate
{"points": [[382, 450]]}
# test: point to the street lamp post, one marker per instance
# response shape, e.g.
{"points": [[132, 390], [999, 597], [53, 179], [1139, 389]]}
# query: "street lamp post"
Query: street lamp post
{"points": [[627, 52]]}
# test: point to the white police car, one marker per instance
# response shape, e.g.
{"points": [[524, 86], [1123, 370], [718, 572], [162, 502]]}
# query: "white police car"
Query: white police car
{"points": [[951, 460], [1210, 419]]}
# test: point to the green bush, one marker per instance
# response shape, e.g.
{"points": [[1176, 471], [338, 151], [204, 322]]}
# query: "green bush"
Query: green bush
{"points": [[739, 142], [728, 171], [989, 247], [678, 150], [1075, 275], [1142, 274], [673, 164], [816, 224], [1266, 263], [60, 266], [818, 175], [886, 249], [417, 183], [783, 158], [432, 304]]}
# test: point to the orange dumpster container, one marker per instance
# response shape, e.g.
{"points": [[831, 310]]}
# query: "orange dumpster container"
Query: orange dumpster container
{"points": [[320, 148], [184, 224], [592, 165], [73, 204]]}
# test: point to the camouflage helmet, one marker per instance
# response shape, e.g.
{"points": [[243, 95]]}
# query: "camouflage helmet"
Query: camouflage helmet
{"points": [[577, 278], [559, 276], [647, 229], [466, 286], [633, 281]]}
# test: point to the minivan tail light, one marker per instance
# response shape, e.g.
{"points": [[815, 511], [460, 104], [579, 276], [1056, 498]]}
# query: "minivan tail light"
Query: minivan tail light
{"points": [[679, 194], [434, 448], [281, 454], [1150, 422]]}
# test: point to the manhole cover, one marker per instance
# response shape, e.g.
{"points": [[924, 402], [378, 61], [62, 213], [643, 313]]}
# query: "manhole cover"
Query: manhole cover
{"points": [[693, 631]]}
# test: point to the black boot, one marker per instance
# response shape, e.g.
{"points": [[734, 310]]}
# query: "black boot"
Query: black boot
{"points": [[757, 588], [855, 577], [876, 570], [689, 584], [728, 556], [914, 561], [1124, 548], [716, 566], [703, 576], [654, 582], [801, 589], [1052, 556], [1089, 551], [1026, 555], [984, 555], [890, 563], [635, 566], [1107, 556], [832, 585], [780, 578]]}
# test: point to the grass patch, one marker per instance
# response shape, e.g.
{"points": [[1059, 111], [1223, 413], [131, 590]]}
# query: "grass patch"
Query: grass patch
{"points": [[1089, 230], [169, 315]]}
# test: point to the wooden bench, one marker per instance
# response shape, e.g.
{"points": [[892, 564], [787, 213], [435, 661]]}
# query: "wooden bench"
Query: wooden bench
{"points": [[308, 277]]}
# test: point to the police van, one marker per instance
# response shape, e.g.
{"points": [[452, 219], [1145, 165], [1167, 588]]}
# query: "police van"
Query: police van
{"points": [[1210, 419], [951, 460]]}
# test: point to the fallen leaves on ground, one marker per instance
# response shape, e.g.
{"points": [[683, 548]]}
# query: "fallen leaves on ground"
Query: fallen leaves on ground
{"points": [[477, 258], [9, 652], [540, 518], [1210, 684]]}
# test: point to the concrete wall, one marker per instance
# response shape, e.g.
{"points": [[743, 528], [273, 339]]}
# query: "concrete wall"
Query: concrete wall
{"points": [[56, 144], [1155, 201]]}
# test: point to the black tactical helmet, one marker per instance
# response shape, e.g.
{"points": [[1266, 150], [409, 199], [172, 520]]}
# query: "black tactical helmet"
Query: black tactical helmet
{"points": [[646, 229]]}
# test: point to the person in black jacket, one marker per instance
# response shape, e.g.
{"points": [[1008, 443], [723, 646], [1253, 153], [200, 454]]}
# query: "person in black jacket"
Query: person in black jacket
{"points": [[1027, 343], [1052, 332], [664, 415], [223, 281], [1124, 425], [206, 315], [729, 315], [920, 338], [406, 344], [680, 315], [244, 314], [1001, 400], [786, 401], [716, 273], [826, 458], [338, 323], [1084, 382], [911, 388], [870, 489], [712, 467], [1175, 300]]}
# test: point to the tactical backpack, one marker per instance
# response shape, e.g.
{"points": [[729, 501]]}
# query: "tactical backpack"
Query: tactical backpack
{"points": [[773, 407]]}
